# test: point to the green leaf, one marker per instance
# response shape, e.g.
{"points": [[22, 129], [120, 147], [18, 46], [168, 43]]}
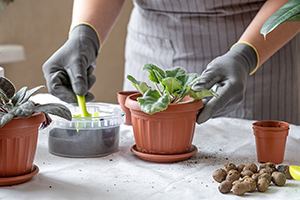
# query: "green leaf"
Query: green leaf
{"points": [[30, 92], [288, 12], [24, 110], [201, 94], [175, 72], [54, 109], [185, 80], [7, 87], [5, 118], [152, 102], [19, 96], [171, 84], [295, 18], [158, 76], [188, 79], [152, 75], [3, 96], [142, 87]]}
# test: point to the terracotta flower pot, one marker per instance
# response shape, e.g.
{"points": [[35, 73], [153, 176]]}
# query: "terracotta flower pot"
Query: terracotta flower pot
{"points": [[167, 132], [122, 95], [270, 138], [18, 141]]}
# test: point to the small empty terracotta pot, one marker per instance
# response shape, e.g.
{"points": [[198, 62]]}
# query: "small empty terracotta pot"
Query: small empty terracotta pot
{"points": [[270, 138], [122, 95]]}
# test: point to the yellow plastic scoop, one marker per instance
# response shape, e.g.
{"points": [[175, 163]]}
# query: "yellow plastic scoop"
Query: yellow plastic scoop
{"points": [[83, 110], [83, 113], [295, 172]]}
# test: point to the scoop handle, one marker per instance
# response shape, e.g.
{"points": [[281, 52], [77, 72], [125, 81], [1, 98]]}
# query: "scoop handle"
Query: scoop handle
{"points": [[82, 106]]}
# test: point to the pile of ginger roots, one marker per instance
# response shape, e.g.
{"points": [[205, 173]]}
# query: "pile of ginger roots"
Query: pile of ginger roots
{"points": [[247, 178]]}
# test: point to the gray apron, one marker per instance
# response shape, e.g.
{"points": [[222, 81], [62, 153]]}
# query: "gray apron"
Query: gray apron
{"points": [[191, 33]]}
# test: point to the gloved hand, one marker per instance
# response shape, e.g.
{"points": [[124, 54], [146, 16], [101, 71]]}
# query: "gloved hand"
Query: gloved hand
{"points": [[69, 70], [228, 74]]}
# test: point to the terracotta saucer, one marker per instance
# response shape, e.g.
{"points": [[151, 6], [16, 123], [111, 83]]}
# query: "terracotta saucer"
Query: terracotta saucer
{"points": [[7, 181], [164, 158]]}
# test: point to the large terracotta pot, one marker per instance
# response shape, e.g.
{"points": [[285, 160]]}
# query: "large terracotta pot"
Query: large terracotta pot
{"points": [[270, 139], [18, 141], [167, 132]]}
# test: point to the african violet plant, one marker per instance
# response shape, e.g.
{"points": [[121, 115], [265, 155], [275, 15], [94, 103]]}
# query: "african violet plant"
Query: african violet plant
{"points": [[289, 12], [171, 87], [17, 104], [5, 2]]}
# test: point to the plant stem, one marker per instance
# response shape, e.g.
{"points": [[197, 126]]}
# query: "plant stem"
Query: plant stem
{"points": [[178, 100], [3, 110], [157, 88], [175, 99], [189, 101]]}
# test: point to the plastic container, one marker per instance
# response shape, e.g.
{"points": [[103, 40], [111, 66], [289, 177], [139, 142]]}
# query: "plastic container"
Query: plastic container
{"points": [[87, 136]]}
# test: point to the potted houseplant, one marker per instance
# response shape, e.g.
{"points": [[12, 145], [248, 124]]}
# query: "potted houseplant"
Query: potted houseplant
{"points": [[289, 12], [5, 2], [20, 119], [164, 118]]}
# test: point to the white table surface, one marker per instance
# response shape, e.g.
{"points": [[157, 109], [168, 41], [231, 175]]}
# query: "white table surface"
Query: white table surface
{"points": [[122, 175]]}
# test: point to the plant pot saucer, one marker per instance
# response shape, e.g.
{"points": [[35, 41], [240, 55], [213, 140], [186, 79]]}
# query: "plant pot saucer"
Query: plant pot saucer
{"points": [[159, 158], [7, 181]]}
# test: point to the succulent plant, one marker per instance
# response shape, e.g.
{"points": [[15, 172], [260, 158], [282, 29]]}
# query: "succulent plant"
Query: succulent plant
{"points": [[17, 104]]}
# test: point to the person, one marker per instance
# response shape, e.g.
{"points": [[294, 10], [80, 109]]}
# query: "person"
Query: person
{"points": [[219, 40]]}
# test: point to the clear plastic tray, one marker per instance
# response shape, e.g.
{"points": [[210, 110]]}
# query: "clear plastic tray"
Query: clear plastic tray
{"points": [[87, 136]]}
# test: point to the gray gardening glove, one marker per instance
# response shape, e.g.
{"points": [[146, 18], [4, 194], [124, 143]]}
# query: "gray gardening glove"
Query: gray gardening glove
{"points": [[228, 74], [69, 70]]}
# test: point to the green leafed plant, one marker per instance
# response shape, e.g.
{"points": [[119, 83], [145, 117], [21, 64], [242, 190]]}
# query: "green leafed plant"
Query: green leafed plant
{"points": [[171, 86], [17, 104], [287, 13], [5, 2]]}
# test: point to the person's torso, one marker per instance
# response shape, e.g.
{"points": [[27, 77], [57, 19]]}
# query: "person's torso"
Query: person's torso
{"points": [[191, 33], [200, 7]]}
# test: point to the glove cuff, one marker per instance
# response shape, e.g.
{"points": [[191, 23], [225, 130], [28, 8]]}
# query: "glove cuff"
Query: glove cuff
{"points": [[250, 52], [98, 42]]}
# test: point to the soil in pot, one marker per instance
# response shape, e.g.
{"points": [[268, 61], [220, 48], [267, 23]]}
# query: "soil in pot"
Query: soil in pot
{"points": [[84, 143]]}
